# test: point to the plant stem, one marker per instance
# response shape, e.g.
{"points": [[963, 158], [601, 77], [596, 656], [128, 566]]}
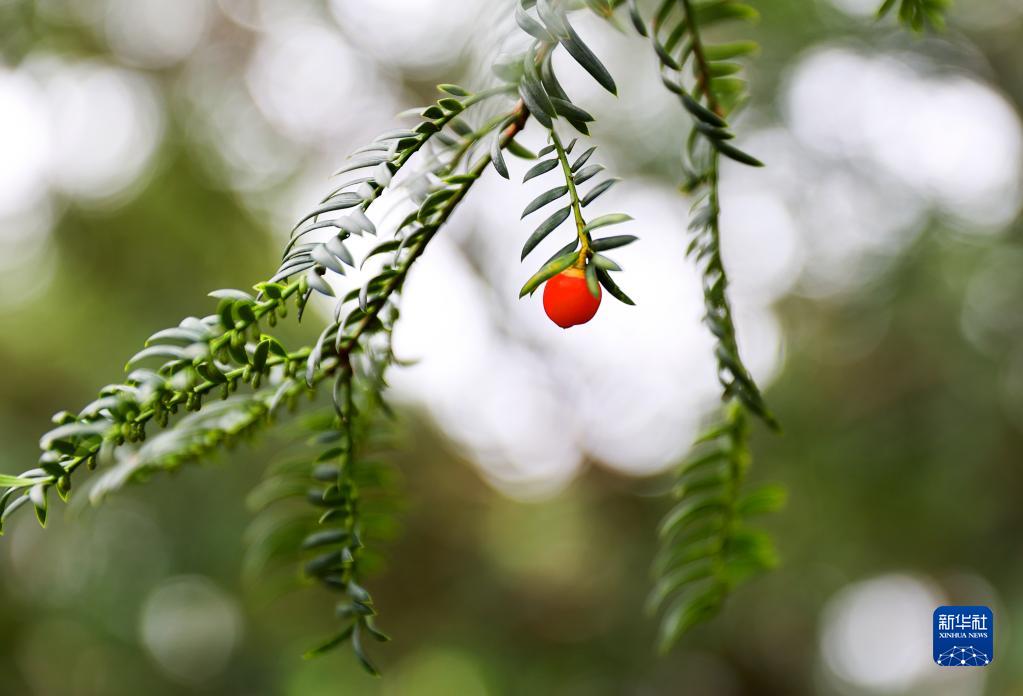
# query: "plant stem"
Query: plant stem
{"points": [[580, 224], [703, 72], [521, 114]]}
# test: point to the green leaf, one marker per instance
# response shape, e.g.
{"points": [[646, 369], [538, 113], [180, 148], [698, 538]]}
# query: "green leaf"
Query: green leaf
{"points": [[368, 160], [317, 283], [587, 173], [166, 352], [543, 199], [276, 347], [11, 507], [736, 154], [37, 494], [688, 511], [330, 644], [688, 611], [597, 190], [530, 25], [586, 58], [885, 8], [548, 271], [335, 245], [675, 581], [763, 500], [581, 160], [555, 91], [571, 246], [540, 168], [497, 157], [605, 220], [637, 18], [545, 228], [516, 148], [430, 205], [361, 221], [360, 653], [605, 263], [728, 87], [613, 242], [177, 334], [454, 89], [428, 128], [396, 135], [534, 95], [616, 292], [666, 58], [591, 280], [553, 18], [375, 632], [701, 112], [231, 294], [8, 481], [712, 132], [730, 50], [326, 537], [712, 13], [431, 112], [663, 12], [451, 105], [570, 110], [323, 257], [721, 69], [260, 355]]}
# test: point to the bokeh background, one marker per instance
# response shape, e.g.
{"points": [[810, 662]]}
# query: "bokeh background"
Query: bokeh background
{"points": [[151, 151]]}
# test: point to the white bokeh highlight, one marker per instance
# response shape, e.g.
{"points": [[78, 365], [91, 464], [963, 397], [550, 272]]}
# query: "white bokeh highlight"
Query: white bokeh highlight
{"points": [[312, 86], [876, 634], [190, 627], [419, 36], [155, 33], [105, 124], [949, 138], [875, 639]]}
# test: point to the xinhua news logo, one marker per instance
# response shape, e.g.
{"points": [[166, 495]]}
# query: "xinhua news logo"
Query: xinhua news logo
{"points": [[964, 636]]}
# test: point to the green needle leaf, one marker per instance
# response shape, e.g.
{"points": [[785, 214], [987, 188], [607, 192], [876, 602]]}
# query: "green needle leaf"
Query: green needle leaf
{"points": [[545, 228], [616, 292], [540, 168], [543, 199], [586, 58], [548, 271], [605, 220]]}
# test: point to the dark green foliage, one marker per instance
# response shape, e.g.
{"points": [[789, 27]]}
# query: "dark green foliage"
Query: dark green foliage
{"points": [[199, 359], [318, 509], [917, 15], [707, 546]]}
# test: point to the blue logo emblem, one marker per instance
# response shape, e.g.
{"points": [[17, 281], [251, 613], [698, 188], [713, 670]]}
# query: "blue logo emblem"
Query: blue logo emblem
{"points": [[964, 636]]}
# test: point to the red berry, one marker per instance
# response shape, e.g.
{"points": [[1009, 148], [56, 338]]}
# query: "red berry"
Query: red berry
{"points": [[567, 299]]}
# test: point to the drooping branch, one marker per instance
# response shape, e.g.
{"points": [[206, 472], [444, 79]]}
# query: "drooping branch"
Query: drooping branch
{"points": [[228, 349], [333, 480]]}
